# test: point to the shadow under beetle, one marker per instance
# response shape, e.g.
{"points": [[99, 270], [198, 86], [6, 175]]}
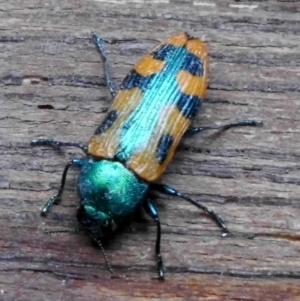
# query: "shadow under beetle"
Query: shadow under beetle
{"points": [[130, 150]]}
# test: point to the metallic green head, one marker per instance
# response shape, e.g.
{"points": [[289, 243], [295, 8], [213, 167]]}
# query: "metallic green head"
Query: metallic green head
{"points": [[108, 192]]}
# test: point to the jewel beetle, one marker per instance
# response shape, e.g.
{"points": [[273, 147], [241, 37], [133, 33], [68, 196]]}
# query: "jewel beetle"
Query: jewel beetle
{"points": [[132, 147]]}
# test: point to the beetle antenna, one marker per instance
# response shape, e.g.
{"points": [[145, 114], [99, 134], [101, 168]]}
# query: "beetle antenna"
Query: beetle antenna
{"points": [[104, 255], [96, 240]]}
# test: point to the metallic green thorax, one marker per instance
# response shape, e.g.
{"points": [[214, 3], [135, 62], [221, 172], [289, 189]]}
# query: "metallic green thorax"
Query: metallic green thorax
{"points": [[108, 192]]}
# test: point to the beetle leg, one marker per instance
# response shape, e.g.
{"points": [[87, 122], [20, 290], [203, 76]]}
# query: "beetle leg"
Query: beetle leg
{"points": [[152, 211], [195, 130], [58, 144], [109, 81], [171, 191], [56, 199]]}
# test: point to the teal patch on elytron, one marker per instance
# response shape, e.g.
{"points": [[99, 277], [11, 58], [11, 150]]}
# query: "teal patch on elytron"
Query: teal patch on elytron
{"points": [[159, 90]]}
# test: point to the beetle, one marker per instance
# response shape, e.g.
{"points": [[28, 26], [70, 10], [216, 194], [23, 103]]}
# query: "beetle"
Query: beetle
{"points": [[132, 147]]}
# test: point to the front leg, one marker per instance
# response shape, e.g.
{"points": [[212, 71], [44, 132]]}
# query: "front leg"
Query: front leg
{"points": [[58, 144], [56, 199]]}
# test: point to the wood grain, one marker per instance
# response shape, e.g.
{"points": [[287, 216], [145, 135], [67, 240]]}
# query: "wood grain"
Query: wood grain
{"points": [[52, 85]]}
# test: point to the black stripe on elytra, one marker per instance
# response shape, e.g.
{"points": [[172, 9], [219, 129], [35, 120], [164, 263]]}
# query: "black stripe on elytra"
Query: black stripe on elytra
{"points": [[193, 65], [135, 80], [107, 123], [163, 147], [162, 52], [188, 105]]}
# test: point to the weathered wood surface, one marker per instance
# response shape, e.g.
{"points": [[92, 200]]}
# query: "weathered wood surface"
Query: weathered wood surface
{"points": [[52, 85]]}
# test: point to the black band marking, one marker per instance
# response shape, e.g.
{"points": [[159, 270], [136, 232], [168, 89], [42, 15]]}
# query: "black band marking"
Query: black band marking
{"points": [[135, 80], [107, 123], [193, 65], [162, 52], [189, 105], [163, 147]]}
